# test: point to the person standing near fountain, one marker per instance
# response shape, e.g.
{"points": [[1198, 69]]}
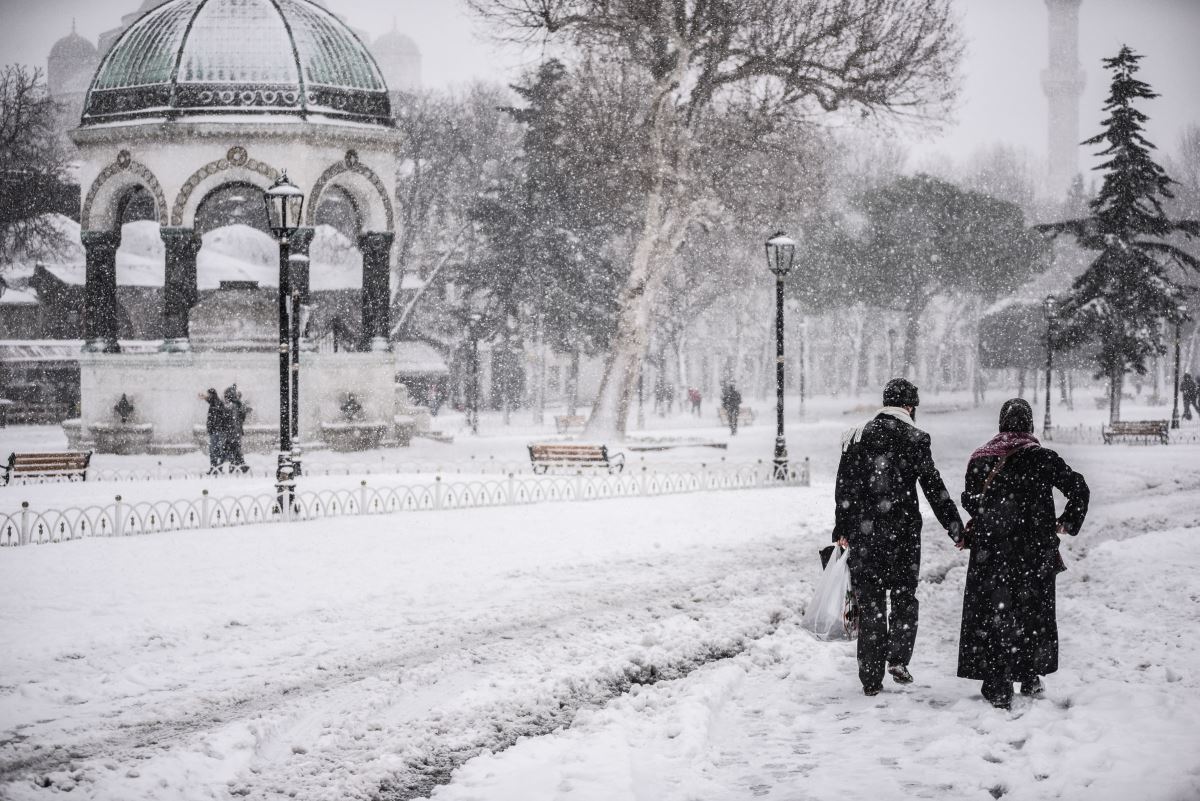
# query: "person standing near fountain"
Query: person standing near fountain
{"points": [[238, 412], [217, 425]]}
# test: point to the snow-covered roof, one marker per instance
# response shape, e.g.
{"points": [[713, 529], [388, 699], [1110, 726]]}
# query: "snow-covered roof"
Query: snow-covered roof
{"points": [[418, 358], [62, 350], [14, 296]]}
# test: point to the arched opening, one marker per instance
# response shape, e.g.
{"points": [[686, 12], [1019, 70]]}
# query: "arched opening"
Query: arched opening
{"points": [[231, 222], [337, 208], [135, 205], [237, 203]]}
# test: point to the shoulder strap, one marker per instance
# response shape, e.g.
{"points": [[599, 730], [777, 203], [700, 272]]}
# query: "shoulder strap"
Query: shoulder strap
{"points": [[987, 482]]}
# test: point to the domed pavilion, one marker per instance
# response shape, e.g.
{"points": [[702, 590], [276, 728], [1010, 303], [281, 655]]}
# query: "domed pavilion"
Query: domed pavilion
{"points": [[196, 109]]}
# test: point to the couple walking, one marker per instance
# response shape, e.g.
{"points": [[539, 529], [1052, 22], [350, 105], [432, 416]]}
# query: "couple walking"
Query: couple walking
{"points": [[225, 426], [1009, 629]]}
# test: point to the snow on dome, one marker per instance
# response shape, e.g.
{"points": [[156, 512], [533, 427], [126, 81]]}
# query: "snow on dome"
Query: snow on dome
{"points": [[205, 57]]}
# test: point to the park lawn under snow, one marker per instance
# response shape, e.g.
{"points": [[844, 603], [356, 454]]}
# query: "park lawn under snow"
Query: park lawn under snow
{"points": [[633, 649]]}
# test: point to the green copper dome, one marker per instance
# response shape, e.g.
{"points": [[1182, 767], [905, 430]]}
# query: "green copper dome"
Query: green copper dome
{"points": [[237, 57]]}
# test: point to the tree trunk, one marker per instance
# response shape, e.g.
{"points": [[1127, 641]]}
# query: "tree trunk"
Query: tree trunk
{"points": [[1116, 383], [573, 385], [539, 402], [912, 329]]}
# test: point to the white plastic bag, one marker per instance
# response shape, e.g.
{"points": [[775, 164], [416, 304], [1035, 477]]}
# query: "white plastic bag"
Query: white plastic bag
{"points": [[832, 614]]}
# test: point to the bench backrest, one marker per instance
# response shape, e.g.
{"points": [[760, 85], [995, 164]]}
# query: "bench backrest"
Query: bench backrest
{"points": [[568, 453], [1138, 427], [48, 462]]}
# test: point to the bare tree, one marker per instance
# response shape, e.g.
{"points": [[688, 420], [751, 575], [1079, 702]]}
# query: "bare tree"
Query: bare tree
{"points": [[821, 56], [31, 166], [453, 146]]}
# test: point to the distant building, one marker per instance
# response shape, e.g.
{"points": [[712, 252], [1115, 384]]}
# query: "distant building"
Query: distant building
{"points": [[69, 69]]}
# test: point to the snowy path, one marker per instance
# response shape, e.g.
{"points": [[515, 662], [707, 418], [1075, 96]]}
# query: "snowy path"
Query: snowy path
{"points": [[786, 719]]}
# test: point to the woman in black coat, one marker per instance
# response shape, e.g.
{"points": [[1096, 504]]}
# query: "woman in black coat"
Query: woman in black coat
{"points": [[1009, 628]]}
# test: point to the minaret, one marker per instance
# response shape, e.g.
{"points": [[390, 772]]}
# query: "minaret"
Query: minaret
{"points": [[1063, 82]]}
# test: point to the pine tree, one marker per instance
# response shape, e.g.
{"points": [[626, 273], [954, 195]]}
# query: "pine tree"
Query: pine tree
{"points": [[1121, 299]]}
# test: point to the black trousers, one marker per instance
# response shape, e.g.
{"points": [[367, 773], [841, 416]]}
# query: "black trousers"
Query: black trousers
{"points": [[884, 638]]}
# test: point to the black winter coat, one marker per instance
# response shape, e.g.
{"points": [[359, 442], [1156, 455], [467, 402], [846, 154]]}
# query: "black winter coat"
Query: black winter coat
{"points": [[876, 492], [1009, 625], [219, 419]]}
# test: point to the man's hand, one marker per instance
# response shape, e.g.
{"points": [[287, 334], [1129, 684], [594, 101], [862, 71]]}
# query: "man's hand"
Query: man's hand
{"points": [[960, 544], [1062, 530], [844, 543]]}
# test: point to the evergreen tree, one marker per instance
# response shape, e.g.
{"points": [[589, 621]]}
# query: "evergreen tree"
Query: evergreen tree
{"points": [[1120, 300]]}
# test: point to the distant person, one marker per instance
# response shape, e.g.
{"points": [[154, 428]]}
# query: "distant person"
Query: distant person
{"points": [[877, 517], [731, 402], [238, 412], [694, 399], [216, 425], [1009, 623], [1191, 395]]}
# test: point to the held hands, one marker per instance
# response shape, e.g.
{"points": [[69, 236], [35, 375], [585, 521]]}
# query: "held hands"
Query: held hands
{"points": [[843, 543]]}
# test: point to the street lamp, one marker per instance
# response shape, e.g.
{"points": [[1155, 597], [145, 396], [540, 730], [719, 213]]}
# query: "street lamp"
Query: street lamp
{"points": [[1048, 305], [473, 406], [1182, 313], [781, 251], [285, 206]]}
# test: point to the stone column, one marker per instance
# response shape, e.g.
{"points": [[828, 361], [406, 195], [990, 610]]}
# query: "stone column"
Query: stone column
{"points": [[179, 286], [100, 291], [301, 241], [376, 248]]}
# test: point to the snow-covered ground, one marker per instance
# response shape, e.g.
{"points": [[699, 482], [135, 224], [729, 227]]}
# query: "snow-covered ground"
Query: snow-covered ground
{"points": [[632, 649]]}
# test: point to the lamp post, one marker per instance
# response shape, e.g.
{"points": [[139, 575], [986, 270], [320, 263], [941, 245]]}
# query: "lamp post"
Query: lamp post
{"points": [[1182, 312], [285, 204], [1048, 305], [473, 406], [781, 251]]}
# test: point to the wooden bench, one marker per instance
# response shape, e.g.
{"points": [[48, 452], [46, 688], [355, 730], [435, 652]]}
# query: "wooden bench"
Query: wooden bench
{"points": [[745, 415], [1137, 429], [564, 423], [543, 457], [66, 465]]}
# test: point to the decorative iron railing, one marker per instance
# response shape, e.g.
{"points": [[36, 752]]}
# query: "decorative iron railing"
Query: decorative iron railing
{"points": [[121, 518]]}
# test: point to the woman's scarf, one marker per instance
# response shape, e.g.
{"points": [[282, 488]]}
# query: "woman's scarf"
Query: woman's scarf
{"points": [[1004, 443]]}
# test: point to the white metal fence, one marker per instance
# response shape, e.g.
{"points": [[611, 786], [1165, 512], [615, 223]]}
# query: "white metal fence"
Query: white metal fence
{"points": [[125, 518]]}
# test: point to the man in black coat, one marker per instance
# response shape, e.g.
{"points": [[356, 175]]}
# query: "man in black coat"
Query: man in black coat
{"points": [[216, 425], [1009, 625], [879, 520], [731, 402], [1190, 395]]}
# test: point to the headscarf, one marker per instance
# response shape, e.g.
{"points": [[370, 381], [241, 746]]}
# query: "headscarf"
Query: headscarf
{"points": [[1016, 431]]}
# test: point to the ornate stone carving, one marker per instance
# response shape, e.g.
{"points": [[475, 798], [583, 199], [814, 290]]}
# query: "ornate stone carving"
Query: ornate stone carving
{"points": [[237, 157], [352, 164], [125, 163]]}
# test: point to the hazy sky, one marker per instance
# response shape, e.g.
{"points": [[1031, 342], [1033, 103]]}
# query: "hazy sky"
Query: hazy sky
{"points": [[1002, 100]]}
